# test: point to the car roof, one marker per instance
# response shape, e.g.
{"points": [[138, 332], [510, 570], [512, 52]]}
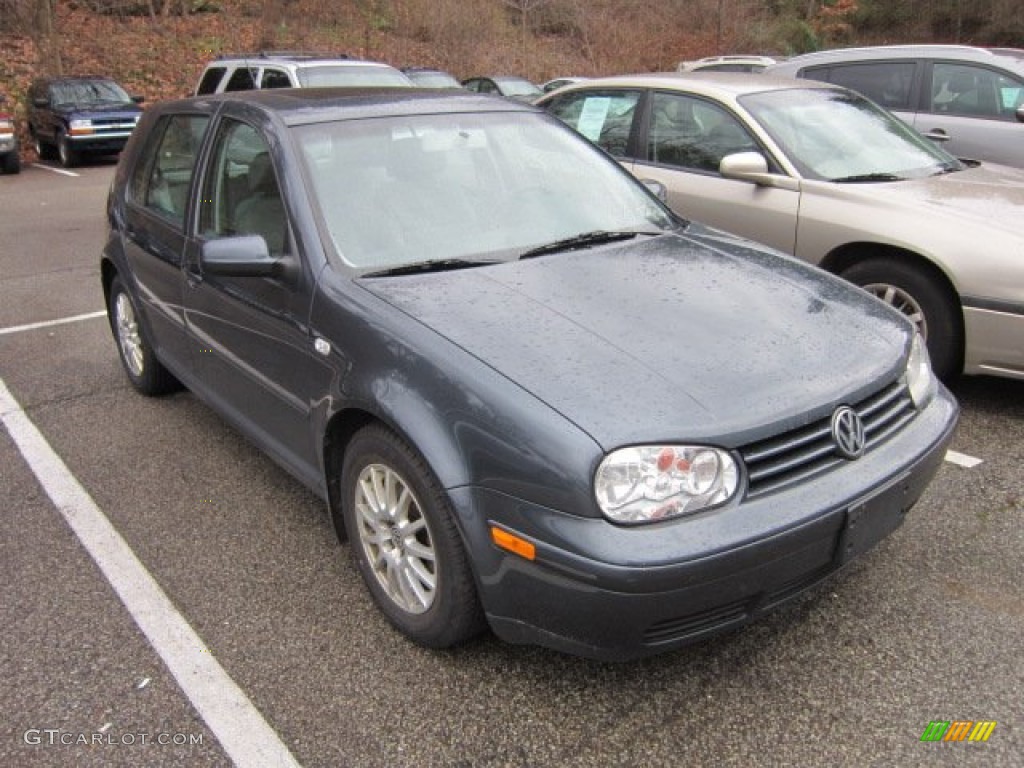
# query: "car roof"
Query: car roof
{"points": [[715, 84], [962, 52], [302, 106]]}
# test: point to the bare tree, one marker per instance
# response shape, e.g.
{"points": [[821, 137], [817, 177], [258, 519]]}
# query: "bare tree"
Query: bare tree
{"points": [[44, 35], [524, 7]]}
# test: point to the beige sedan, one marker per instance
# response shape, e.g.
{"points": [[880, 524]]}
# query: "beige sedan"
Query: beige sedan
{"points": [[819, 172]]}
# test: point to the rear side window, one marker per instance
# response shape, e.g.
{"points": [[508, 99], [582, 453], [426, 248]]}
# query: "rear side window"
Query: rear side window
{"points": [[211, 78], [887, 83], [242, 79], [275, 78], [161, 183], [604, 117]]}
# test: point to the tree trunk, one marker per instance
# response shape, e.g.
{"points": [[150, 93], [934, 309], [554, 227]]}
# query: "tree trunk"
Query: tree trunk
{"points": [[44, 34]]}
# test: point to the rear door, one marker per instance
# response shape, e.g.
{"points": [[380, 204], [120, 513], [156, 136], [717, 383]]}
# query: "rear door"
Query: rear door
{"points": [[157, 218]]}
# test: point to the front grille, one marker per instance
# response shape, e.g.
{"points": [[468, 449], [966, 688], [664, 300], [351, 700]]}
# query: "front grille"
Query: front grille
{"points": [[696, 623], [789, 458]]}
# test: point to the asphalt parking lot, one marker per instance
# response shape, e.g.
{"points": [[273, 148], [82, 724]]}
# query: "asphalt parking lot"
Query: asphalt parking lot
{"points": [[268, 651]]}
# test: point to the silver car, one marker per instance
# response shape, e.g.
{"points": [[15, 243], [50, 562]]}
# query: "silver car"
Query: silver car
{"points": [[820, 172], [971, 100]]}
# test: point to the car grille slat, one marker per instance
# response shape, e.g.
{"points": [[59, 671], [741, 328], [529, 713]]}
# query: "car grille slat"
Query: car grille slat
{"points": [[786, 459]]}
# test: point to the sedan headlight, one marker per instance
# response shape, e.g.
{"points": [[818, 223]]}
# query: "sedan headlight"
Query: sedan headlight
{"points": [[920, 379], [653, 482]]}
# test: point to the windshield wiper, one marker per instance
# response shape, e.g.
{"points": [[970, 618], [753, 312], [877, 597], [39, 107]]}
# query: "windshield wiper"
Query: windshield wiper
{"points": [[585, 240], [867, 177], [434, 265]]}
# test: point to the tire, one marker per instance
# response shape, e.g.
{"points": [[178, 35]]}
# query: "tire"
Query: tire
{"points": [[145, 372], [43, 150], [405, 543], [66, 154], [924, 300], [12, 163]]}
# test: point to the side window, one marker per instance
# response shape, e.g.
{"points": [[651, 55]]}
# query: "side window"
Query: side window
{"points": [[241, 194], [275, 78], [887, 83], [694, 134], [472, 85], [211, 78], [242, 79], [162, 184], [604, 117], [963, 89]]}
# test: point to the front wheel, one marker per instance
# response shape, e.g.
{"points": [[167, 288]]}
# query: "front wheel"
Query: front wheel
{"points": [[145, 372], [67, 154], [924, 300], [405, 543]]}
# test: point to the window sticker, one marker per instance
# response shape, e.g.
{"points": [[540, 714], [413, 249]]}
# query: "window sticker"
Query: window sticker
{"points": [[595, 112]]}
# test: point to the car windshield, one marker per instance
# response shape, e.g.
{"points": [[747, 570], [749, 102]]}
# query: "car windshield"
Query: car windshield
{"points": [[517, 87], [394, 191], [351, 74], [433, 80], [839, 136], [84, 92]]}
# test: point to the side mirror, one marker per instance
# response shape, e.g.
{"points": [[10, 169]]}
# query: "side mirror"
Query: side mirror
{"points": [[1020, 114], [753, 167], [41, 101], [138, 99], [656, 188], [241, 256]]}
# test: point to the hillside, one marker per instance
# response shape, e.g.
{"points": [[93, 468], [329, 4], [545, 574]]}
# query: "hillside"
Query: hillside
{"points": [[155, 50]]}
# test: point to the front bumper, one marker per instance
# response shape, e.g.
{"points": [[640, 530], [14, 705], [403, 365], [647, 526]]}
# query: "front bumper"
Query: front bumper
{"points": [[8, 143], [100, 142], [616, 593]]}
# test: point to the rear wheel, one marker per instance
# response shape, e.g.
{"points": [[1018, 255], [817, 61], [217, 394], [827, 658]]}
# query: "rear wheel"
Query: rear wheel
{"points": [[145, 372], [405, 543], [924, 300]]}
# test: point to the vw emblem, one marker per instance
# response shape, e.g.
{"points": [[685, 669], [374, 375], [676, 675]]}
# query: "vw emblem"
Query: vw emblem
{"points": [[848, 433]]}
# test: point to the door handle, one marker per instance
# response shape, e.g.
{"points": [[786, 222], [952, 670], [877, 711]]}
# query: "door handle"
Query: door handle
{"points": [[937, 134]]}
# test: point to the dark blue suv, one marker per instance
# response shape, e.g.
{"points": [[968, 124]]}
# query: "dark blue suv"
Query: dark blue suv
{"points": [[80, 115]]}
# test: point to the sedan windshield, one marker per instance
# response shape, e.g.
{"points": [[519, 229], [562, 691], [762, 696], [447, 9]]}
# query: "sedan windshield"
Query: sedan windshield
{"points": [[397, 191], [840, 136]]}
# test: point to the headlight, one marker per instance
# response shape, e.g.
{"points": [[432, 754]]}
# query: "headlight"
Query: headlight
{"points": [[81, 127], [653, 482], [920, 379], [6, 125]]}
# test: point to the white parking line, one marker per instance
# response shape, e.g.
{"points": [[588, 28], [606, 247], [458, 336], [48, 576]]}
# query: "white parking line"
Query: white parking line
{"points": [[239, 727], [48, 323], [962, 459], [51, 169]]}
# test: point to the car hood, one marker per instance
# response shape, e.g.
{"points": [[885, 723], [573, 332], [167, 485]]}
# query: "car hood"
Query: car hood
{"points": [[670, 338], [989, 193], [85, 111]]}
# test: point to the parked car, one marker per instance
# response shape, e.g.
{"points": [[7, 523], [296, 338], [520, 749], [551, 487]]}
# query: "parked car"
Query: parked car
{"points": [[76, 116], [731, 63], [281, 69], [424, 77], [970, 100], [518, 88], [10, 159], [531, 396], [820, 172], [558, 82]]}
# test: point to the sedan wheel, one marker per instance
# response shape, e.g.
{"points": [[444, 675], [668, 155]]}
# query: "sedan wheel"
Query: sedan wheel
{"points": [[924, 300], [405, 542]]}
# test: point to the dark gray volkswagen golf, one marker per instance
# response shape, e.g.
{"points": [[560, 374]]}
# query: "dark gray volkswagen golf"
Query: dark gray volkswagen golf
{"points": [[532, 398]]}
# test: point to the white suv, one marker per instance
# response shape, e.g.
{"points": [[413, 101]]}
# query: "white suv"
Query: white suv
{"points": [[277, 69]]}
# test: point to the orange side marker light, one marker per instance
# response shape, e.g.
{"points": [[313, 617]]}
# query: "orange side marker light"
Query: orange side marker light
{"points": [[512, 543]]}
